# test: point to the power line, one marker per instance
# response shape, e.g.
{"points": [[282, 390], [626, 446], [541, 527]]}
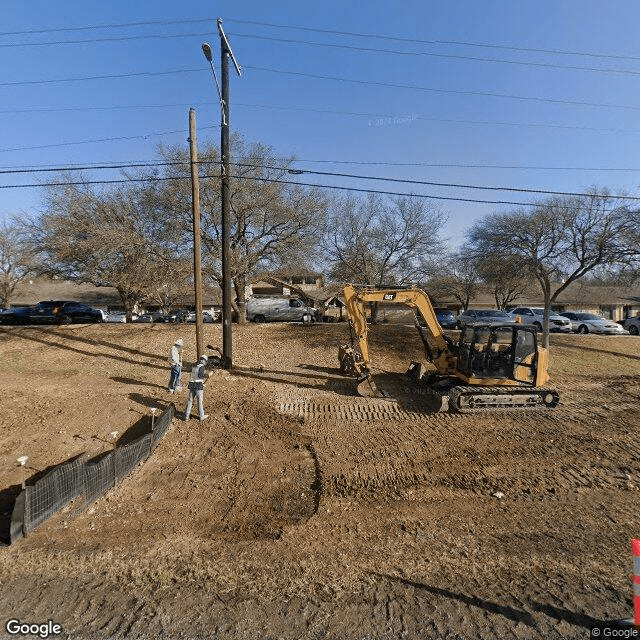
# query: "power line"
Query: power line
{"points": [[289, 182], [523, 63], [319, 173], [68, 144], [393, 85], [432, 184], [483, 45], [94, 40], [544, 65], [299, 184], [111, 76], [439, 42], [484, 94], [376, 116], [105, 26], [385, 163], [121, 165]]}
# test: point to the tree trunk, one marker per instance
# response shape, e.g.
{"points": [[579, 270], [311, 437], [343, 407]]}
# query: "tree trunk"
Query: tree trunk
{"points": [[545, 318], [242, 312], [240, 304], [374, 313]]}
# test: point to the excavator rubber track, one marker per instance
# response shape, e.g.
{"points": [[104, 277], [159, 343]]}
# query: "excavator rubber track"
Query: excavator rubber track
{"points": [[472, 399]]}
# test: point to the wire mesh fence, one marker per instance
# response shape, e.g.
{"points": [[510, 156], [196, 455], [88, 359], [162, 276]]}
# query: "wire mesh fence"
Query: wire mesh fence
{"points": [[82, 481], [99, 477], [128, 456], [52, 492]]}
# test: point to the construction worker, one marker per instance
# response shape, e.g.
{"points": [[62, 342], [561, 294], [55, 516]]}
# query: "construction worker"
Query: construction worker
{"points": [[197, 379], [176, 366]]}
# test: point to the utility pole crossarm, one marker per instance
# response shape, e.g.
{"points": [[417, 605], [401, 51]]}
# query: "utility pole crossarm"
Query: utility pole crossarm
{"points": [[224, 43]]}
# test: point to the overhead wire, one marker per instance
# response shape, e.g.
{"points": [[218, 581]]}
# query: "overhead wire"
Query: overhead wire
{"points": [[314, 172], [95, 40], [137, 137], [353, 34], [372, 36], [340, 79], [431, 54], [448, 165], [377, 83], [289, 182], [335, 112], [106, 26], [398, 85], [304, 184]]}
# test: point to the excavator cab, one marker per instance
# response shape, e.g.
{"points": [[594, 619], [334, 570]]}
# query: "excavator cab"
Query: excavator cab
{"points": [[502, 352]]}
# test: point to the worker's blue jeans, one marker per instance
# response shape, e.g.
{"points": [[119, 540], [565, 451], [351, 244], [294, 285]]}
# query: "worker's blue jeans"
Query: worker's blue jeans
{"points": [[174, 378], [199, 395]]}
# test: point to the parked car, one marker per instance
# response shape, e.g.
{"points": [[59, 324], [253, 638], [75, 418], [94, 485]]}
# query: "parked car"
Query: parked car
{"points": [[484, 316], [534, 316], [582, 322], [15, 315], [632, 325], [280, 309], [207, 317], [116, 317], [173, 316], [53, 312], [211, 315], [446, 318]]}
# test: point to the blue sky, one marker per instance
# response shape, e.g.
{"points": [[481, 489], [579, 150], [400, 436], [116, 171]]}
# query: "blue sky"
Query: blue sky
{"points": [[499, 93]]}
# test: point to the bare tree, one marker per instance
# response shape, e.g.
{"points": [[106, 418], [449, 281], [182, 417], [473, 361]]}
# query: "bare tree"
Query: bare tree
{"points": [[502, 277], [15, 262], [559, 241], [105, 238], [382, 242], [375, 241], [457, 278], [275, 222]]}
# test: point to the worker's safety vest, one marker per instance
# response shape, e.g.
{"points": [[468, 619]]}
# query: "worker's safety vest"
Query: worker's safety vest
{"points": [[196, 379]]}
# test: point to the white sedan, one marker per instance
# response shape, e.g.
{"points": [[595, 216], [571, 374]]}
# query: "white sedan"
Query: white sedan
{"points": [[592, 323], [115, 317]]}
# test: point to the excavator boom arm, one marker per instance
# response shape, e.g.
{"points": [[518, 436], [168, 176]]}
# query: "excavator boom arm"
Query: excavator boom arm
{"points": [[442, 357]]}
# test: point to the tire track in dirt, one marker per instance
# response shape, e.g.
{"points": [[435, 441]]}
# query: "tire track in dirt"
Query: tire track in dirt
{"points": [[380, 445]]}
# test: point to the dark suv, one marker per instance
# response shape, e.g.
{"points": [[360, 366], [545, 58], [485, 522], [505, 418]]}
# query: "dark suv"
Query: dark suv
{"points": [[52, 312]]}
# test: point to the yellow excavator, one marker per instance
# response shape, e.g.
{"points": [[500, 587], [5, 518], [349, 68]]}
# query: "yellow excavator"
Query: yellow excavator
{"points": [[490, 368]]}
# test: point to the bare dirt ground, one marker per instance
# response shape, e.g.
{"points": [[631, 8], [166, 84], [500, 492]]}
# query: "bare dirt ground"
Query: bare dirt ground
{"points": [[299, 510]]}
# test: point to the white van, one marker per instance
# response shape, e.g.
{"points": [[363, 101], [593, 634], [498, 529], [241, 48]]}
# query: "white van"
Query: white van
{"points": [[279, 309]]}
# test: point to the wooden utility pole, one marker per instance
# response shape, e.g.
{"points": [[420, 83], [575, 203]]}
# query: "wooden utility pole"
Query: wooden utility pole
{"points": [[195, 206]]}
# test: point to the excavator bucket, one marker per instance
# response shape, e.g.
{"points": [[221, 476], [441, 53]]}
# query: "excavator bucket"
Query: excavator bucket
{"points": [[367, 387]]}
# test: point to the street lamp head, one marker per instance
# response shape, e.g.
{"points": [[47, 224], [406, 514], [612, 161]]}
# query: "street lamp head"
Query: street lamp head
{"points": [[206, 49]]}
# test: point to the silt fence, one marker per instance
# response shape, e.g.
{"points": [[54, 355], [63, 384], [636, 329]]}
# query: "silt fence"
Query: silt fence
{"points": [[81, 480]]}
